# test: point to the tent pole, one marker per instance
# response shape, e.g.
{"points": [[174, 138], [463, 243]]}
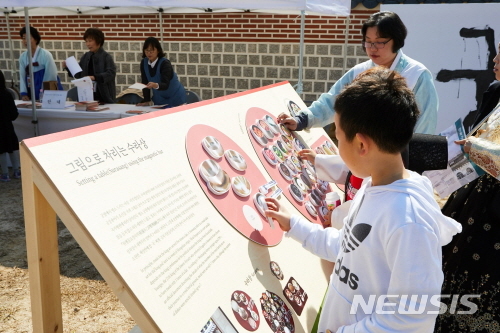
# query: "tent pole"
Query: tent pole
{"points": [[301, 50], [12, 63], [161, 25], [34, 119], [347, 22]]}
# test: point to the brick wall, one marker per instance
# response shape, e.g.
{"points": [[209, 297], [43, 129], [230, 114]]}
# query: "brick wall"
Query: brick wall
{"points": [[214, 54]]}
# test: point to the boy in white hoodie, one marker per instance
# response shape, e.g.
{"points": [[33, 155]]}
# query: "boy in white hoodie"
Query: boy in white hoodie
{"points": [[387, 275]]}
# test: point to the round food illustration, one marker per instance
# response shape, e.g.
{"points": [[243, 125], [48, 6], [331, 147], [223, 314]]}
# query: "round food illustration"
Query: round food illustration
{"points": [[287, 142], [296, 162], [286, 132], [320, 150], [282, 147], [276, 270], [285, 172], [220, 185], [269, 156], [327, 150], [212, 146], [272, 124], [306, 181], [241, 186], [245, 310], [260, 202], [266, 129], [291, 166], [298, 145], [296, 192], [210, 170], [236, 160], [300, 184], [258, 135], [310, 209], [293, 108], [314, 199], [276, 313], [278, 153]]}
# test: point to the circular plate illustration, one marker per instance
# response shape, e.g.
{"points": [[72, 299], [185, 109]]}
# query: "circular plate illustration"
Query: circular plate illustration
{"points": [[245, 310], [276, 313], [276, 270], [292, 107], [239, 211]]}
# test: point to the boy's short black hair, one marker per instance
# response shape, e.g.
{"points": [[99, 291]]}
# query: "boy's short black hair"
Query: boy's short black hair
{"points": [[33, 32], [96, 34], [379, 104], [389, 25], [155, 43]]}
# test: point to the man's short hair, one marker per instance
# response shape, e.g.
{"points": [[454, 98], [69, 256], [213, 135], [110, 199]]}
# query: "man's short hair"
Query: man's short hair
{"points": [[379, 104], [33, 32], [389, 25], [95, 34]]}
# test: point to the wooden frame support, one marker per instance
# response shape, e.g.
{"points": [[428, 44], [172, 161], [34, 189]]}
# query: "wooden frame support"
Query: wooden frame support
{"points": [[43, 255]]}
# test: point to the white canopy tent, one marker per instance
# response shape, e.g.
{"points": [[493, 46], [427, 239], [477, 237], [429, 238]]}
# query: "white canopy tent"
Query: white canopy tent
{"points": [[95, 7], [28, 8]]}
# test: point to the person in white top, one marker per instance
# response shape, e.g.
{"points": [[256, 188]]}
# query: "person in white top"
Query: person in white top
{"points": [[388, 253]]}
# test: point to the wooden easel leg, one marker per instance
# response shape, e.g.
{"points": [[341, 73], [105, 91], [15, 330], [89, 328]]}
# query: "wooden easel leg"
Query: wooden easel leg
{"points": [[43, 255]]}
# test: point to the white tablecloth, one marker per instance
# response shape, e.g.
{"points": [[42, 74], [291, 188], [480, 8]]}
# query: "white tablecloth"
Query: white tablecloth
{"points": [[56, 120]]}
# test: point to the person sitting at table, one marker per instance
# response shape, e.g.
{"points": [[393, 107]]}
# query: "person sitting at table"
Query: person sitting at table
{"points": [[99, 66], [158, 74], [44, 67]]}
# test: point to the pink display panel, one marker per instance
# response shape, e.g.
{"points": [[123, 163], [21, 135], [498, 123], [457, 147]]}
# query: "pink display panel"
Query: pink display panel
{"points": [[241, 211]]}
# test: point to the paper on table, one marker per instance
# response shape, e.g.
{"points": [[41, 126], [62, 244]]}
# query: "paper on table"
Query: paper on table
{"points": [[73, 65], [85, 89], [460, 170], [139, 86]]}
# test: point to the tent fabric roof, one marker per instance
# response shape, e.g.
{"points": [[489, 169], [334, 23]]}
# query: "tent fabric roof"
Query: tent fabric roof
{"points": [[95, 7]]}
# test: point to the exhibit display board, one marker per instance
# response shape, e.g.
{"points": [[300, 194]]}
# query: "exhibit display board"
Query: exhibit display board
{"points": [[168, 206]]}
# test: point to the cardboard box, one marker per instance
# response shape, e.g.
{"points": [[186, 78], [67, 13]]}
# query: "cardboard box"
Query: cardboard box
{"points": [[50, 85]]}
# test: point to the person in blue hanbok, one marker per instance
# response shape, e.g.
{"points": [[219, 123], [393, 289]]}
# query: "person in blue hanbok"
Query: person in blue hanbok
{"points": [[44, 67]]}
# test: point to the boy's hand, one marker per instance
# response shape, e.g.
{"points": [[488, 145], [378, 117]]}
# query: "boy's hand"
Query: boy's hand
{"points": [[275, 211], [288, 121], [307, 154]]}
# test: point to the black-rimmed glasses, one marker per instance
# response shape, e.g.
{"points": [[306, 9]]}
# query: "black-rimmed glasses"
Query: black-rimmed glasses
{"points": [[377, 45]]}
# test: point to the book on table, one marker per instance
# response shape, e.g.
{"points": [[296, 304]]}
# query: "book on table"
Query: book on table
{"points": [[85, 105], [97, 108], [28, 105]]}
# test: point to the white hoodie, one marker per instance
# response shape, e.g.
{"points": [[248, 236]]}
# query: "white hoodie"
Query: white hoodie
{"points": [[390, 245]]}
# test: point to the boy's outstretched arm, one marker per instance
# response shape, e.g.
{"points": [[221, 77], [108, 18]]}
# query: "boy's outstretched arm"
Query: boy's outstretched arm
{"points": [[313, 237]]}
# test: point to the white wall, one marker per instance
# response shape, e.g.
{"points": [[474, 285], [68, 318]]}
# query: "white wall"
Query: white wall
{"points": [[434, 40]]}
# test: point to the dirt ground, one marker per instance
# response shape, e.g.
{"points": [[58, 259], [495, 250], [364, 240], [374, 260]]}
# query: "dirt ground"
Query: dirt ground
{"points": [[88, 304]]}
